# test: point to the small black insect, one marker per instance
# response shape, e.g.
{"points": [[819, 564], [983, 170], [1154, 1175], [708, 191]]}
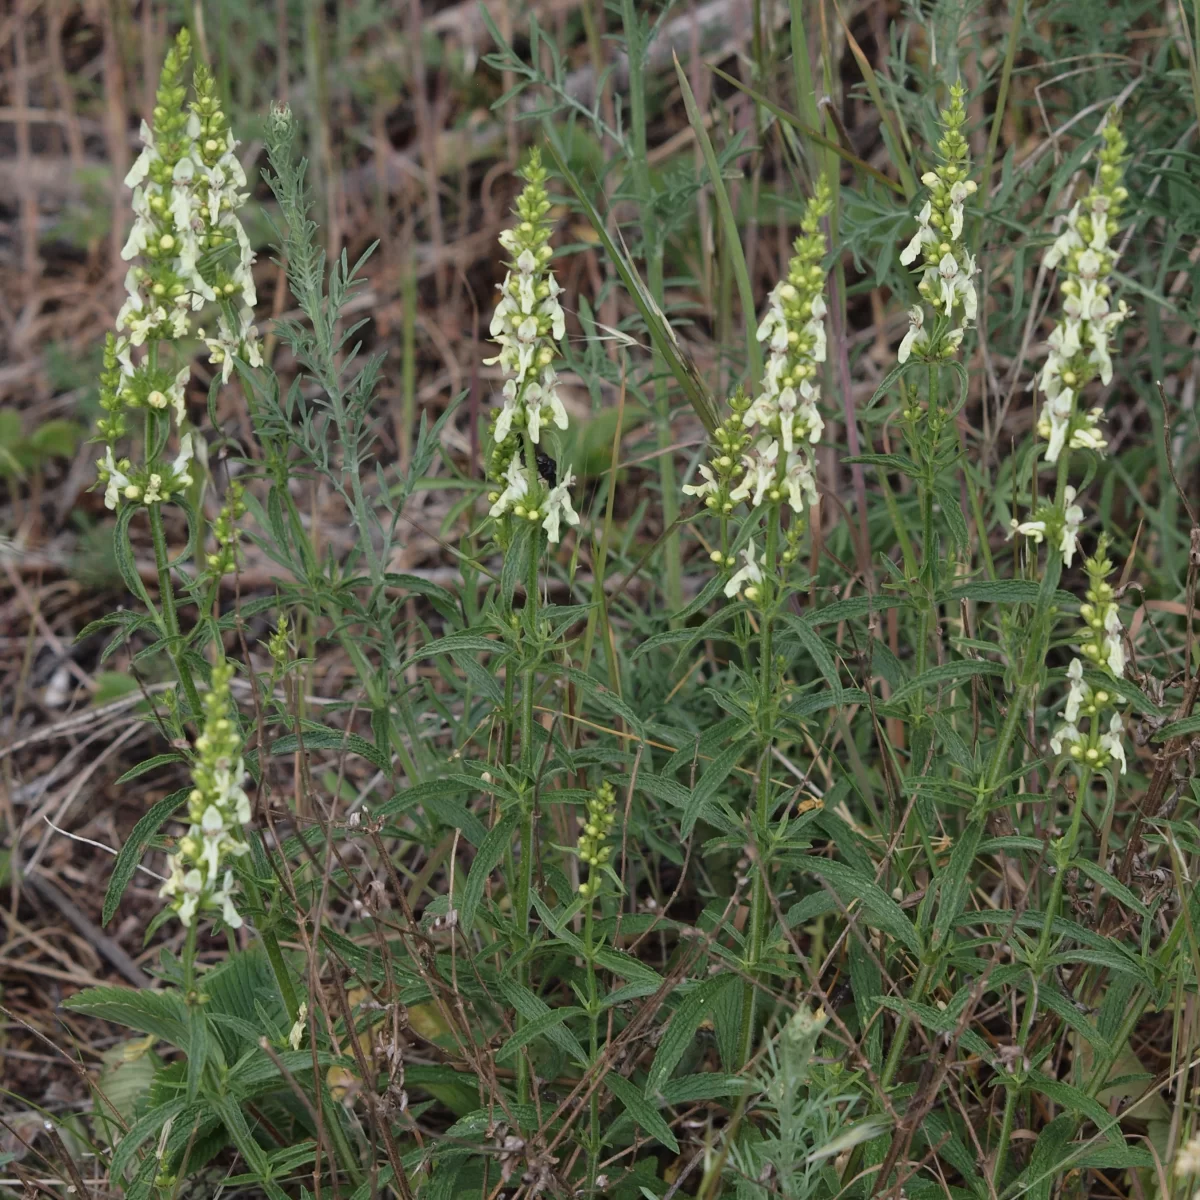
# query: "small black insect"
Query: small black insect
{"points": [[547, 468]]}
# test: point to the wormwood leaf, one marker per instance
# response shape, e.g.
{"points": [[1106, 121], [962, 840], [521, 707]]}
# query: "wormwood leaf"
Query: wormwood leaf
{"points": [[951, 672], [641, 1110], [864, 1131], [681, 1030], [319, 737], [130, 854], [536, 1028], [882, 911], [499, 837]]}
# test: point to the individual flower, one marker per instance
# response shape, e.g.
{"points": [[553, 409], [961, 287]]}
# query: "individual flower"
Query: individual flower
{"points": [[1078, 348], [938, 250], [558, 507], [1059, 523], [747, 578], [201, 879], [296, 1035], [527, 326], [916, 338], [760, 470]]}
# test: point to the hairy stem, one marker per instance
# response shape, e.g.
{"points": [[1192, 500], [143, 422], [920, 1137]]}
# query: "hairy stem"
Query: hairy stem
{"points": [[170, 616]]}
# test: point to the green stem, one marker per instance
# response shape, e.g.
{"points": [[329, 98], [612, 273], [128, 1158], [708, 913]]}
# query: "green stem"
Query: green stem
{"points": [[170, 616], [760, 897], [529, 769], [1010, 54], [593, 1037], [897, 1047], [189, 960], [274, 954], [1064, 853]]}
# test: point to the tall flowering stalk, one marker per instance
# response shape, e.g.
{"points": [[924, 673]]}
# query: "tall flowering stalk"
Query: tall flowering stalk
{"points": [[948, 308], [528, 494], [187, 249], [527, 325], [1078, 348], [594, 853], [762, 456], [1078, 352], [948, 268]]}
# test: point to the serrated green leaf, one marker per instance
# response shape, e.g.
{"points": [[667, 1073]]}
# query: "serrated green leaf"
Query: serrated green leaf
{"points": [[162, 1014], [681, 1031], [540, 1026], [946, 673], [498, 839], [641, 1110], [316, 737], [130, 854], [880, 909], [150, 764]]}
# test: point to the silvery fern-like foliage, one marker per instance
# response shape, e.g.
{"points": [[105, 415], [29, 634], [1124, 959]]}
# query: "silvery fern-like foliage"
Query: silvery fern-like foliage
{"points": [[801, 1120]]}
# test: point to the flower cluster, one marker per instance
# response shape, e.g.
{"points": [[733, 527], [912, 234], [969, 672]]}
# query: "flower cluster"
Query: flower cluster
{"points": [[601, 814], [783, 420], [1187, 1160], [527, 326], [1058, 523], [1102, 646], [218, 809], [948, 268], [225, 531], [191, 250], [1079, 344]]}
